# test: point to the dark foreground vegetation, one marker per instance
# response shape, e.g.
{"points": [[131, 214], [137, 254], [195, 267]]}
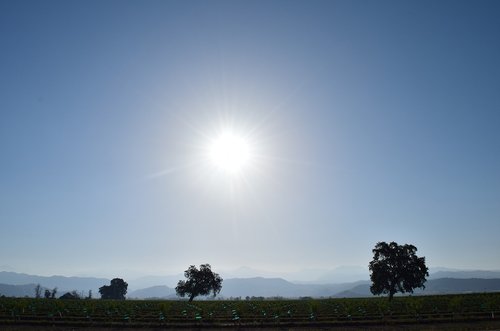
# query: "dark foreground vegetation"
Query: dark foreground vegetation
{"points": [[309, 313]]}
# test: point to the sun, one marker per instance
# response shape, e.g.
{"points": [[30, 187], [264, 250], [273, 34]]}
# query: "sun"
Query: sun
{"points": [[230, 153]]}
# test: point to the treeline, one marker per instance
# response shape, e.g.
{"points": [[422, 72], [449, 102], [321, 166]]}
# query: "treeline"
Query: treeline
{"points": [[52, 294], [115, 291]]}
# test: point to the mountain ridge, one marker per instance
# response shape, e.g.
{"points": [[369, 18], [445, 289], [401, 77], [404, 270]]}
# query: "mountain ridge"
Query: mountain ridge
{"points": [[252, 286], [63, 283]]}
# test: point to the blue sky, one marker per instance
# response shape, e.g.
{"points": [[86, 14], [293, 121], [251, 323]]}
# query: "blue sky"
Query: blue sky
{"points": [[371, 121]]}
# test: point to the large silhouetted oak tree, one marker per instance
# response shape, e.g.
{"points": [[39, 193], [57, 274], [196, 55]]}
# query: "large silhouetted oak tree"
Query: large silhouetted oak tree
{"points": [[199, 282], [116, 290], [396, 268]]}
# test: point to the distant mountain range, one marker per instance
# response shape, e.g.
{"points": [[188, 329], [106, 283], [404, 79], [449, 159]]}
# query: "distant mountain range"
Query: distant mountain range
{"points": [[154, 292], [274, 287], [277, 287], [463, 274], [63, 284], [437, 286], [441, 282], [27, 290]]}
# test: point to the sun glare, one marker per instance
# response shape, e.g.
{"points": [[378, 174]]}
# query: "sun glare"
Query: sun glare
{"points": [[230, 153]]}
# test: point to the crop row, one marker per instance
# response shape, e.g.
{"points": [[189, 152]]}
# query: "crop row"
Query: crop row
{"points": [[219, 313]]}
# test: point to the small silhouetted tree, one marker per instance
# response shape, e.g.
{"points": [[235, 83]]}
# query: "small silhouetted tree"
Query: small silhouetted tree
{"points": [[116, 290], [396, 268], [199, 282], [53, 293], [38, 291], [47, 294]]}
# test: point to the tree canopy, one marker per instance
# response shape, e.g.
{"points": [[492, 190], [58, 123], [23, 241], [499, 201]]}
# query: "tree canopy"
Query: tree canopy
{"points": [[116, 290], [199, 282], [396, 268]]}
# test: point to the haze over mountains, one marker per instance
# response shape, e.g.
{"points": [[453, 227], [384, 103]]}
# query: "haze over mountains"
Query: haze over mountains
{"points": [[344, 282]]}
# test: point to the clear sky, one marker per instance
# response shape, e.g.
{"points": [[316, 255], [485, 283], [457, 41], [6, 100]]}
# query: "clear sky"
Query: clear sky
{"points": [[364, 121]]}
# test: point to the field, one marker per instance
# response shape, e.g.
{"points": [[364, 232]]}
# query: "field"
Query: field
{"points": [[476, 309]]}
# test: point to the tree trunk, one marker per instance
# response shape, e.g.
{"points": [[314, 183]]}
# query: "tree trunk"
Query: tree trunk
{"points": [[191, 297], [392, 291]]}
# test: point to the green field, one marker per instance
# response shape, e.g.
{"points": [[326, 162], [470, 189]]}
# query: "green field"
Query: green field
{"points": [[312, 313]]}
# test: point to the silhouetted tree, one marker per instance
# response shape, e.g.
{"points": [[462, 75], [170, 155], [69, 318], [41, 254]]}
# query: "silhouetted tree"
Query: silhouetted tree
{"points": [[89, 296], [199, 282], [47, 294], [38, 291], [53, 293], [116, 290], [396, 268]]}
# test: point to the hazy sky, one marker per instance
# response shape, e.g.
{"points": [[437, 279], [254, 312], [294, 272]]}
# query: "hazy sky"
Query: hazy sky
{"points": [[367, 121]]}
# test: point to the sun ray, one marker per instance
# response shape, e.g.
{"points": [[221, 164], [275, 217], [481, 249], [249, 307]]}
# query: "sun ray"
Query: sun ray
{"points": [[168, 171]]}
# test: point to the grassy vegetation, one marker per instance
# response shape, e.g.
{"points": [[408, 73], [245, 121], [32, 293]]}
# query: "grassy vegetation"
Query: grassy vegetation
{"points": [[274, 313]]}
